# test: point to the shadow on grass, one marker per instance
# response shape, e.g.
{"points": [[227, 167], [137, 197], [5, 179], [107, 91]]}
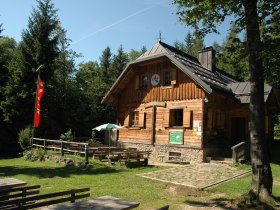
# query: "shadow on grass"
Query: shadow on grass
{"points": [[243, 202], [44, 171], [66, 171], [275, 148]]}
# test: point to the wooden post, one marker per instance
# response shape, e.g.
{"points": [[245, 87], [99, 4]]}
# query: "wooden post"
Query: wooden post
{"points": [[44, 144], [153, 135], [72, 197], [86, 153], [61, 149]]}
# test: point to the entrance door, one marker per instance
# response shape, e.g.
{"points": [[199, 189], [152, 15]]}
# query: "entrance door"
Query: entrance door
{"points": [[238, 130]]}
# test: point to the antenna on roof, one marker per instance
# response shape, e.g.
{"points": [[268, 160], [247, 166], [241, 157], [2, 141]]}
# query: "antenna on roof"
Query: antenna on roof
{"points": [[160, 38]]}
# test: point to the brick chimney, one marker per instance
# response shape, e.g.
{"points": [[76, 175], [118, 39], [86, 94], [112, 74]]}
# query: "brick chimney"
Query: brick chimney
{"points": [[206, 58]]}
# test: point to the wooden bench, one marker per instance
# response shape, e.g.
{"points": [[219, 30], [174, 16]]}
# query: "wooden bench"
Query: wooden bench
{"points": [[102, 153], [36, 201], [128, 156]]}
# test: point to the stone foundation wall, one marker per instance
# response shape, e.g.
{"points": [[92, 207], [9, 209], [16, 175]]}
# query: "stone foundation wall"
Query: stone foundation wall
{"points": [[160, 152]]}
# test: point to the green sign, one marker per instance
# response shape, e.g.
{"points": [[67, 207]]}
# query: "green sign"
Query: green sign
{"points": [[176, 137]]}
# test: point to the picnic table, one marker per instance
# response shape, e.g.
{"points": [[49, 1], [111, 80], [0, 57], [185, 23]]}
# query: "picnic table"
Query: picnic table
{"points": [[129, 155], [100, 203], [101, 152], [7, 183]]}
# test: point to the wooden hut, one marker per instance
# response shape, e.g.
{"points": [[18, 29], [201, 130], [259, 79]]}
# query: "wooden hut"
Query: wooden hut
{"points": [[178, 106]]}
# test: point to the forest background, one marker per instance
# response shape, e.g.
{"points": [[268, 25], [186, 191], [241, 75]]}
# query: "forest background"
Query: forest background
{"points": [[73, 92]]}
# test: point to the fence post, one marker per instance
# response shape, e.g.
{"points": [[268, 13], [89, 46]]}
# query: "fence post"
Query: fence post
{"points": [[72, 197], [62, 151], [44, 144], [86, 153]]}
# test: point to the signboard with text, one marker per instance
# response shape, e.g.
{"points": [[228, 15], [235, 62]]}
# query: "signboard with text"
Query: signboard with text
{"points": [[176, 137]]}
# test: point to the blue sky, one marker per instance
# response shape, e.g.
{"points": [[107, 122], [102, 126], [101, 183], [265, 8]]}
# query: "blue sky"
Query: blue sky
{"points": [[92, 25]]}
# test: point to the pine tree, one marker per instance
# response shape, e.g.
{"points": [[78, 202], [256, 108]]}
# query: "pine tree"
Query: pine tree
{"points": [[118, 64], [105, 64], [193, 43], [248, 13], [271, 49], [134, 54], [232, 56], [39, 46]]}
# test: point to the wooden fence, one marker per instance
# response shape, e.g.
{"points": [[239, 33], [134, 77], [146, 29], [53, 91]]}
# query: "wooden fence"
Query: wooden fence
{"points": [[63, 146]]}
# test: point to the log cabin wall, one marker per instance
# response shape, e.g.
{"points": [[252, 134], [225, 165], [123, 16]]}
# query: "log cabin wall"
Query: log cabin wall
{"points": [[156, 105], [218, 112], [156, 96]]}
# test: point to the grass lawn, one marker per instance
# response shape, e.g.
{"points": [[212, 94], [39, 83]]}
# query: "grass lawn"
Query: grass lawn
{"points": [[122, 182]]}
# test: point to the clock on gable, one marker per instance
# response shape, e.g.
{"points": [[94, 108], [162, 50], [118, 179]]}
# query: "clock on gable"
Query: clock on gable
{"points": [[155, 80]]}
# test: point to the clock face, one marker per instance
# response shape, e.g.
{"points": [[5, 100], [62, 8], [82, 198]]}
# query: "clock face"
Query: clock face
{"points": [[155, 80]]}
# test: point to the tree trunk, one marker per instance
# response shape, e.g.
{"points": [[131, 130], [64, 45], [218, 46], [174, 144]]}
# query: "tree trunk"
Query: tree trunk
{"points": [[261, 171]]}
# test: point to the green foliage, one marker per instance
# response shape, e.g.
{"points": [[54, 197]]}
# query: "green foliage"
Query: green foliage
{"points": [[68, 136], [207, 15], [120, 180], [270, 34], [277, 128], [24, 138], [134, 54], [34, 154], [38, 47], [119, 63], [192, 44], [72, 93], [232, 56], [92, 141]]}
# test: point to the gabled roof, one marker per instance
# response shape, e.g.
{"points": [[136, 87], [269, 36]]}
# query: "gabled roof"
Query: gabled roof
{"points": [[208, 80]]}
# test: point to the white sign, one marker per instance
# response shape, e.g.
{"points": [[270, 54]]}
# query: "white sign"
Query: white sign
{"points": [[196, 128]]}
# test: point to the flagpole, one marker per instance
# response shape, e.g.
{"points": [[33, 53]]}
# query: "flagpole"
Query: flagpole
{"points": [[33, 127]]}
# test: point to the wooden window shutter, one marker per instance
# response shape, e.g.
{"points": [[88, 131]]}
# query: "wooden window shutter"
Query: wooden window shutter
{"points": [[126, 120], [166, 118], [187, 118], [141, 119], [174, 77], [137, 82], [209, 122]]}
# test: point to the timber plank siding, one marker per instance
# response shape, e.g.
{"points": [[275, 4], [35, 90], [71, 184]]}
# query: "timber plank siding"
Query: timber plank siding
{"points": [[184, 94], [185, 89]]}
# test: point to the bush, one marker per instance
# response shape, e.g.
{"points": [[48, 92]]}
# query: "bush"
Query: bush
{"points": [[24, 138], [277, 128], [93, 142], [34, 154], [68, 136]]}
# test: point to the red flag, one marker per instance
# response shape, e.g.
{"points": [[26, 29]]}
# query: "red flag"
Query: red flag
{"points": [[40, 92]]}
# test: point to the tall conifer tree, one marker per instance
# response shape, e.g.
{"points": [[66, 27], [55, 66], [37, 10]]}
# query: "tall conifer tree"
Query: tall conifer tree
{"points": [[207, 14]]}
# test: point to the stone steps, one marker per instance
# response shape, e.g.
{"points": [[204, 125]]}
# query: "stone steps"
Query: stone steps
{"points": [[221, 160]]}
